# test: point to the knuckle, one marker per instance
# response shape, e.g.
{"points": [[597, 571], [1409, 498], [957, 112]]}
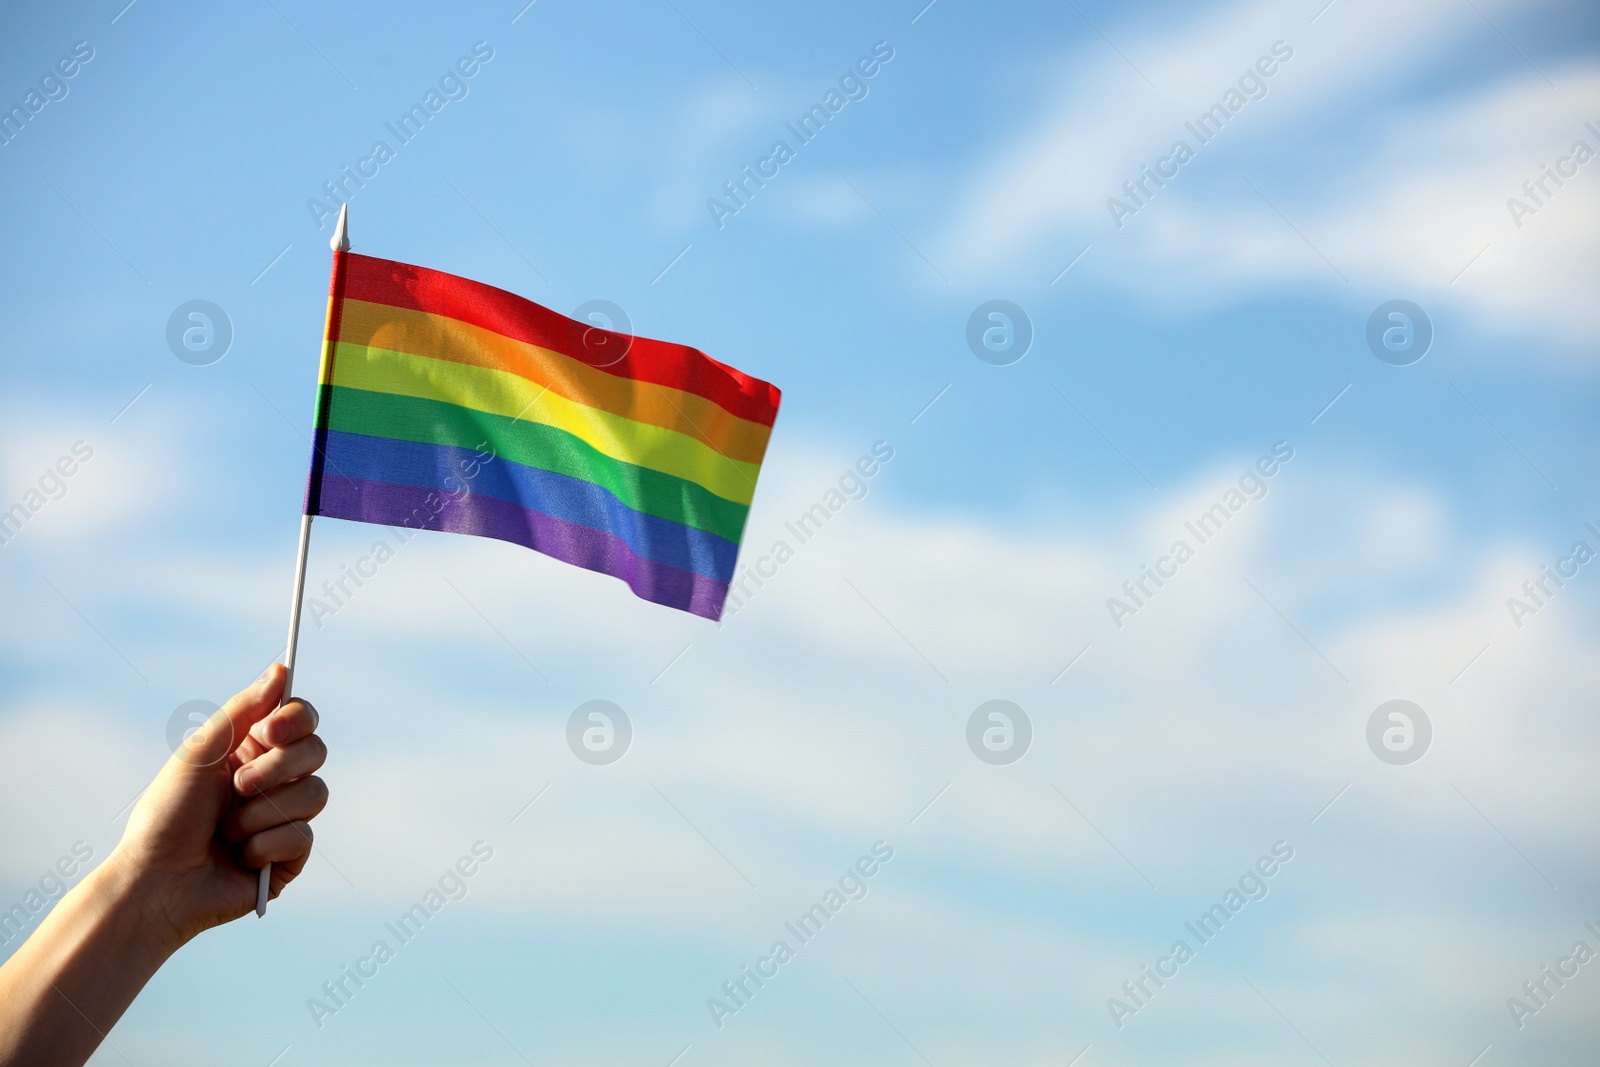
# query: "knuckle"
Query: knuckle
{"points": [[319, 791]]}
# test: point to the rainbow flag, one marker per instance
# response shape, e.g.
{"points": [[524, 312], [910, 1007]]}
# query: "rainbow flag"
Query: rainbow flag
{"points": [[446, 404]]}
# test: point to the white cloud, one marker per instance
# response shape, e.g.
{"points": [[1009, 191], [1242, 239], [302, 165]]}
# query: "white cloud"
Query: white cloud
{"points": [[811, 725], [115, 479], [1397, 197], [818, 703], [715, 126]]}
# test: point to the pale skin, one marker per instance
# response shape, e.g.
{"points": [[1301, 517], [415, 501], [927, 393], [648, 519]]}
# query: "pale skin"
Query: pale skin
{"points": [[238, 795]]}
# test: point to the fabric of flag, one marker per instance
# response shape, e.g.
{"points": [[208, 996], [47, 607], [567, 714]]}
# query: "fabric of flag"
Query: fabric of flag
{"points": [[446, 404]]}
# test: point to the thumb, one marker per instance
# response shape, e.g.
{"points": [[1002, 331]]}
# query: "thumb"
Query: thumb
{"points": [[221, 733]]}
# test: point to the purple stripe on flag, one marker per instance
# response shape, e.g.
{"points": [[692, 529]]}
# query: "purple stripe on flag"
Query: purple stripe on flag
{"points": [[430, 509]]}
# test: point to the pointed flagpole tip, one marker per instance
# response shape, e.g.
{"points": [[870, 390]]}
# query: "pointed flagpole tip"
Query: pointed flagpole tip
{"points": [[340, 242]]}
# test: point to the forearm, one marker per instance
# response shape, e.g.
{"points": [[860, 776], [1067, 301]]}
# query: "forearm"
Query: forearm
{"points": [[69, 983]]}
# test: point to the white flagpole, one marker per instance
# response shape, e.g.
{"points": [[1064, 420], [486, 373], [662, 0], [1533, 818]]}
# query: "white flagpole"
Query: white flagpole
{"points": [[340, 242]]}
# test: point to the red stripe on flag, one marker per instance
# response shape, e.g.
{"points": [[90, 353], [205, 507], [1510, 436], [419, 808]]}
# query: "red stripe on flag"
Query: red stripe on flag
{"points": [[383, 281]]}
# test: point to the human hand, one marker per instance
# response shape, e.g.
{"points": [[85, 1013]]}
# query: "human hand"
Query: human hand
{"points": [[239, 793]]}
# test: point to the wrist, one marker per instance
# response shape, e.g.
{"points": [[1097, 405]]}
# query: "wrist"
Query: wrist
{"points": [[135, 901], [73, 978]]}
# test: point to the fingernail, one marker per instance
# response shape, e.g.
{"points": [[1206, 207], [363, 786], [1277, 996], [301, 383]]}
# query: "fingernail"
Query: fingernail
{"points": [[276, 729], [249, 778]]}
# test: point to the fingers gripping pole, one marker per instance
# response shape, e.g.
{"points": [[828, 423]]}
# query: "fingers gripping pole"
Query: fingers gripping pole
{"points": [[264, 881]]}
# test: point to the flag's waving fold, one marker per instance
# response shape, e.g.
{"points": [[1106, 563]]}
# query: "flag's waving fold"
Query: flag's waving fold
{"points": [[446, 404]]}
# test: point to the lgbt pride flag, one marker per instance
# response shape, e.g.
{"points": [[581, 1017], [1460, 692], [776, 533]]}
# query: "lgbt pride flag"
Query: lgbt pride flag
{"points": [[446, 404]]}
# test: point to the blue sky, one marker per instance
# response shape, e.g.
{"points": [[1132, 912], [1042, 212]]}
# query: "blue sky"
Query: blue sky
{"points": [[1167, 755]]}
